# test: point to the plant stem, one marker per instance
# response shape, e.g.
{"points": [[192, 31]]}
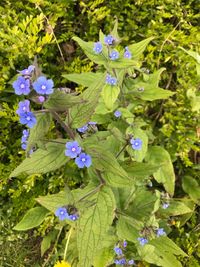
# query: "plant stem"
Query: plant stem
{"points": [[54, 247], [96, 189], [127, 142], [64, 125], [67, 243]]}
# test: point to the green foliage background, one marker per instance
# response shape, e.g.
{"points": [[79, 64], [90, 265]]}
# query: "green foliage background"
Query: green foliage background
{"points": [[42, 30]]}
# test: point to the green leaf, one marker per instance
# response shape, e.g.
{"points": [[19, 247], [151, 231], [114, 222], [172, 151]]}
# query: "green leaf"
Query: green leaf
{"points": [[85, 79], [110, 94], [87, 47], [193, 54], [151, 91], [54, 201], [138, 48], [32, 218], [38, 132], [103, 257], [81, 114], [43, 161], [59, 101], [93, 225], [192, 188], [165, 174], [161, 251], [105, 162], [138, 155], [128, 231], [178, 208], [140, 169]]}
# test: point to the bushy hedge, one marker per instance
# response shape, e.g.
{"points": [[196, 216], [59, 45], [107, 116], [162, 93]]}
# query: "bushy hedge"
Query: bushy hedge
{"points": [[42, 33]]}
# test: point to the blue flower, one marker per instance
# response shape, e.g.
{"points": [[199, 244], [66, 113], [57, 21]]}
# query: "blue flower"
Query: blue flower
{"points": [[117, 262], [117, 113], [83, 129], [131, 262], [21, 86], [83, 160], [23, 146], [41, 98], [136, 143], [98, 47], [28, 118], [160, 232], [142, 241], [122, 262], [92, 123], [25, 136], [114, 55], [62, 213], [73, 149], [23, 107], [28, 71], [125, 244], [127, 53], [118, 251], [111, 80], [43, 86], [165, 205], [73, 217], [109, 39]]}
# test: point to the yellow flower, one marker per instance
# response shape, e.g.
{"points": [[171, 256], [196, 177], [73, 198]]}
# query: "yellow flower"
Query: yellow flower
{"points": [[62, 264]]}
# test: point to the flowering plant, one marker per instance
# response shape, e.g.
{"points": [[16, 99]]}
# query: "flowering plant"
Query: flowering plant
{"points": [[118, 215]]}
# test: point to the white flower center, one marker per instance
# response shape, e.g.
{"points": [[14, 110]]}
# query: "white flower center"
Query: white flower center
{"points": [[43, 87], [28, 118], [22, 86], [73, 149], [136, 144], [24, 108], [83, 159]]}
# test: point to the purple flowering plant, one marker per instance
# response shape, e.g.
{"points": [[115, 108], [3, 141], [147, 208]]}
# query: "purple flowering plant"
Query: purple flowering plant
{"points": [[111, 165]]}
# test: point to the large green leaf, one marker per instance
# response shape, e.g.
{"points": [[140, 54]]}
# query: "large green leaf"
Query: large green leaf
{"points": [[193, 54], [150, 89], [43, 160], [128, 231], [87, 47], [165, 174], [105, 162], [38, 132], [54, 201], [93, 225], [110, 94], [85, 79], [32, 218], [140, 169], [192, 188], [138, 48], [81, 114], [59, 101], [161, 251]]}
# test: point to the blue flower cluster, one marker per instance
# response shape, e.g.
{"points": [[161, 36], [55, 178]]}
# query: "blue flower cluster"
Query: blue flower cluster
{"points": [[160, 232], [26, 116], [62, 213], [24, 139], [114, 54], [121, 260], [111, 80], [84, 128], [142, 240], [136, 143], [73, 150]]}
